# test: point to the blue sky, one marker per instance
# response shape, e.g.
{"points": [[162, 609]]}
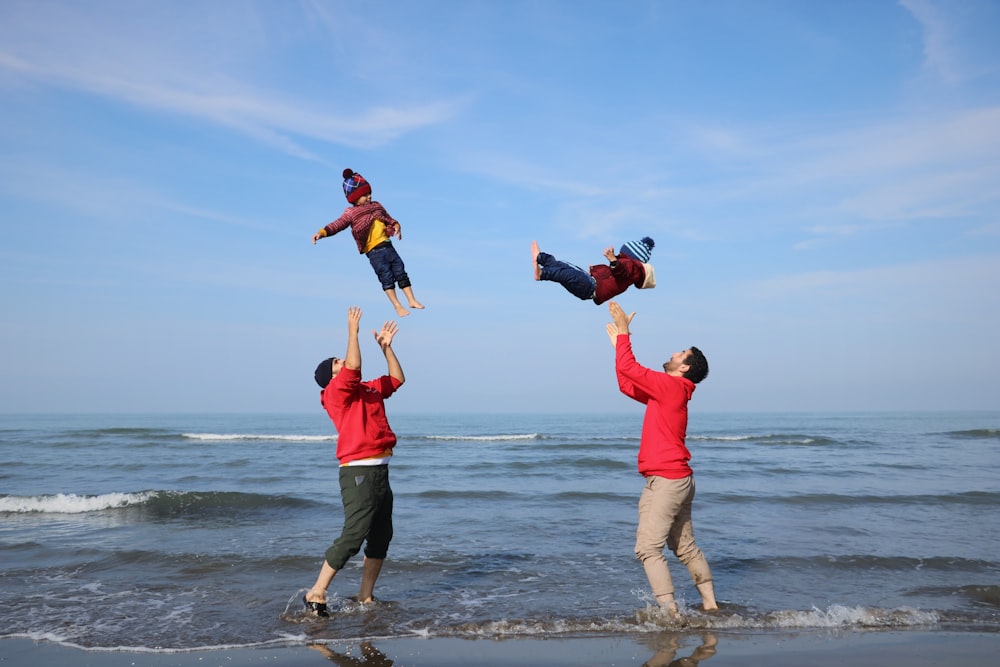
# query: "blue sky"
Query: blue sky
{"points": [[820, 180]]}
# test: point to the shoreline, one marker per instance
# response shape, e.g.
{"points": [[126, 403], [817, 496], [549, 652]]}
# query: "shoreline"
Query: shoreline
{"points": [[859, 648]]}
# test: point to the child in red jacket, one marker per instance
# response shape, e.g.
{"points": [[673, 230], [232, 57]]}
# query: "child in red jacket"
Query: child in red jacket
{"points": [[630, 267], [372, 227]]}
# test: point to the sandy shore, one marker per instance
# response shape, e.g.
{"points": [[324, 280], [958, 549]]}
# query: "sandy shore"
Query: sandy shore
{"points": [[914, 648]]}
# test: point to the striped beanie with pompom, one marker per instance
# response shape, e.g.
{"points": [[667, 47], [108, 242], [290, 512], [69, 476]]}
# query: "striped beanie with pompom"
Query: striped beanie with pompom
{"points": [[640, 250]]}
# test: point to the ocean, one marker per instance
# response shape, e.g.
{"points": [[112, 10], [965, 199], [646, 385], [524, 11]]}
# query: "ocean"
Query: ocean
{"points": [[168, 533]]}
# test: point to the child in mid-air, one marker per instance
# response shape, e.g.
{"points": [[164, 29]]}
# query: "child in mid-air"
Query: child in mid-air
{"points": [[372, 228], [630, 267]]}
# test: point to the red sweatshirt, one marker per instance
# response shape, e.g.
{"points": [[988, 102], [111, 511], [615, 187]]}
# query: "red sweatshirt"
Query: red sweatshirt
{"points": [[358, 411], [613, 281], [662, 449]]}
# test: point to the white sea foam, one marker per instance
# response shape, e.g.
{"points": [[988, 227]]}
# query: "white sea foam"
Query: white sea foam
{"points": [[218, 437], [486, 438], [284, 639], [767, 438], [654, 619], [71, 503]]}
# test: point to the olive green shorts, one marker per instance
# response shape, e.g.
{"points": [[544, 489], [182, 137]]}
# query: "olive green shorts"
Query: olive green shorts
{"points": [[367, 500]]}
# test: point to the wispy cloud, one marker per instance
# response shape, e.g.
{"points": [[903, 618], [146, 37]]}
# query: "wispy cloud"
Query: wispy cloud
{"points": [[954, 37], [115, 64]]}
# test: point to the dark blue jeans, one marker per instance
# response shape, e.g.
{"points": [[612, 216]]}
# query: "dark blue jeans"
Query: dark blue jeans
{"points": [[577, 282], [388, 266]]}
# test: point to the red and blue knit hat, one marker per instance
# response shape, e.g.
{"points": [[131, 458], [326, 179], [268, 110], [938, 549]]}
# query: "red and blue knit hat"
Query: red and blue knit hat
{"points": [[355, 186]]}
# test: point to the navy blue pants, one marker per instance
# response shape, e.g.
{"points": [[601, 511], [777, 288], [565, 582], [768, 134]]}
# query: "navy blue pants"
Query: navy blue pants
{"points": [[577, 282], [388, 266]]}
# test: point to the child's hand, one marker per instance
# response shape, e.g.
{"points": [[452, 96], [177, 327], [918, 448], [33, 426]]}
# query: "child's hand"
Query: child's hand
{"points": [[609, 254], [316, 237]]}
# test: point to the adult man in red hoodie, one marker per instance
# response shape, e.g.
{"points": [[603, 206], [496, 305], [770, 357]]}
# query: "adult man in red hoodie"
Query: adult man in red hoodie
{"points": [[364, 446], [665, 503]]}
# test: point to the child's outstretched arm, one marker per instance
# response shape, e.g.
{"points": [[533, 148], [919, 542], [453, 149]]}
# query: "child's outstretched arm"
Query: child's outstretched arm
{"points": [[335, 227]]}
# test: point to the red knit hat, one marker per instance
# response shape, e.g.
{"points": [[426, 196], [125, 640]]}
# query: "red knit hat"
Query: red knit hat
{"points": [[355, 186]]}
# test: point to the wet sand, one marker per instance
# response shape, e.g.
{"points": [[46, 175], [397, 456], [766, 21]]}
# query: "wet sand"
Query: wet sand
{"points": [[914, 648]]}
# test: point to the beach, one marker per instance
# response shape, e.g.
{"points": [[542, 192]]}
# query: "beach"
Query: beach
{"points": [[914, 648]]}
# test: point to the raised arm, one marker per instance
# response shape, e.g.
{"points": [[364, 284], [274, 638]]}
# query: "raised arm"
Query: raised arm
{"points": [[352, 359], [384, 340], [624, 360], [619, 323]]}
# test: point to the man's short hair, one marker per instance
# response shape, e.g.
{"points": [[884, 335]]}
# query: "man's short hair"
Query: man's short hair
{"points": [[697, 365]]}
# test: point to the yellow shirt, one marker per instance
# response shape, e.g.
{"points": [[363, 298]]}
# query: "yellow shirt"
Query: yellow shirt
{"points": [[376, 235]]}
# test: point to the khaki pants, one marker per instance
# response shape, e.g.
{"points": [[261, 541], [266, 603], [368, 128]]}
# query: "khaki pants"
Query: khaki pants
{"points": [[665, 520]]}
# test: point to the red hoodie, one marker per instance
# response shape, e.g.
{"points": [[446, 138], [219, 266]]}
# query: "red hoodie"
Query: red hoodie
{"points": [[358, 411], [662, 449], [611, 282]]}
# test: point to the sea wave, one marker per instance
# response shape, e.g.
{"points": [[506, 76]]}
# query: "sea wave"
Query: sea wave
{"points": [[220, 437], [976, 433], [768, 438], [654, 619], [159, 502], [63, 640], [827, 500], [70, 503], [486, 438], [847, 563]]}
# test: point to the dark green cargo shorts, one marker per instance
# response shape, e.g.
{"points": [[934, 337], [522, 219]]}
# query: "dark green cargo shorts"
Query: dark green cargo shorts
{"points": [[367, 500]]}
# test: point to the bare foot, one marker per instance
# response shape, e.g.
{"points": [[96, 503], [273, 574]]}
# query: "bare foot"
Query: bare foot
{"points": [[534, 260], [402, 312], [417, 305]]}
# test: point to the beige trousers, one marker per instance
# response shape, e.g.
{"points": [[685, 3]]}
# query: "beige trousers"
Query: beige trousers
{"points": [[665, 521]]}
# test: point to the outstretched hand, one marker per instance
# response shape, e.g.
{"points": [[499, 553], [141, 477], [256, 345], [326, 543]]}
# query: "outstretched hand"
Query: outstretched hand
{"points": [[353, 318], [385, 336], [620, 322], [609, 254]]}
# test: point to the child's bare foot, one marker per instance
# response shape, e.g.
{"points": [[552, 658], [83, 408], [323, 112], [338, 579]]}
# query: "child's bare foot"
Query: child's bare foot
{"points": [[402, 312], [417, 305], [534, 260]]}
